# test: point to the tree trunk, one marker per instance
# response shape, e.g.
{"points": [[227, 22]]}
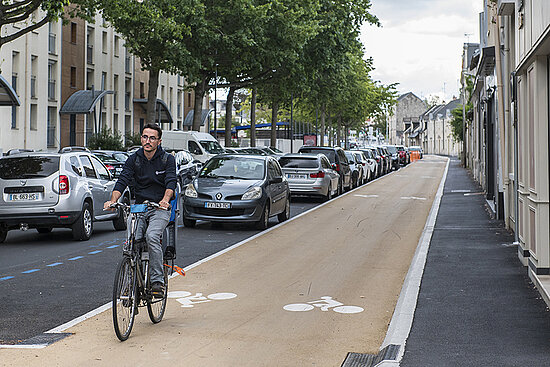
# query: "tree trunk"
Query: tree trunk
{"points": [[323, 112], [253, 118], [200, 90], [274, 113], [229, 115], [339, 131], [152, 96], [346, 137]]}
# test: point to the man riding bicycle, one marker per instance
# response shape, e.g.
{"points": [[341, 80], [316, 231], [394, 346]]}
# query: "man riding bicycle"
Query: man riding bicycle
{"points": [[153, 172]]}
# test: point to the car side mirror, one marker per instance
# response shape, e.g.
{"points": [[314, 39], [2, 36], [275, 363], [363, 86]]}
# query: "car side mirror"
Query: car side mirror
{"points": [[276, 180]]}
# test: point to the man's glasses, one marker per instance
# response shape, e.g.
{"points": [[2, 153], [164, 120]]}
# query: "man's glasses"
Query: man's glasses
{"points": [[150, 138]]}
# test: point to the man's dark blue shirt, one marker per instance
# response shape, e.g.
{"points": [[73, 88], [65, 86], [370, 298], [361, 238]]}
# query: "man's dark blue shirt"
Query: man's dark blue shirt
{"points": [[151, 178]]}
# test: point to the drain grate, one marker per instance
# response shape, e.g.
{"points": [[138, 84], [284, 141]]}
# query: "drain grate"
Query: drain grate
{"points": [[388, 353]]}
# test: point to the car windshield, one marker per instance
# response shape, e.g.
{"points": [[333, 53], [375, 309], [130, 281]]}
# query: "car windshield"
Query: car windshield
{"points": [[292, 162], [121, 157], [391, 149], [275, 150], [328, 152], [105, 158], [236, 168], [414, 149], [212, 147], [28, 167], [351, 157]]}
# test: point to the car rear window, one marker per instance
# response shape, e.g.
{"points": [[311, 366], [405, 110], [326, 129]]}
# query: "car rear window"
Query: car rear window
{"points": [[391, 149], [28, 167], [298, 162], [328, 152]]}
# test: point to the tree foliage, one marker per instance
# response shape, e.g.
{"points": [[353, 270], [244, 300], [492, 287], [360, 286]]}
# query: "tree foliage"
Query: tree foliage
{"points": [[458, 122], [106, 139]]}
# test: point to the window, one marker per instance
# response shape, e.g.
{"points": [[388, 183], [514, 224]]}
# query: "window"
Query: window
{"points": [[34, 117], [89, 79], [75, 165], [51, 127], [51, 39], [116, 46], [141, 90], [115, 90], [51, 80], [194, 148], [73, 32], [100, 169], [73, 77], [104, 42], [87, 165], [34, 67]]}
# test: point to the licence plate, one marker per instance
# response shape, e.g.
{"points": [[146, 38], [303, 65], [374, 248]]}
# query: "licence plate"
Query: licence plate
{"points": [[27, 196], [216, 205], [297, 177]]}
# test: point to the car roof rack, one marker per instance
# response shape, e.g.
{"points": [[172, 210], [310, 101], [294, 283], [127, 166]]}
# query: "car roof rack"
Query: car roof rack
{"points": [[73, 149]]}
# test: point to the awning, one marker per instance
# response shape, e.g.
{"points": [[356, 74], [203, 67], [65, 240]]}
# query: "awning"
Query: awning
{"points": [[487, 63], [83, 101], [189, 118], [8, 97], [162, 110]]}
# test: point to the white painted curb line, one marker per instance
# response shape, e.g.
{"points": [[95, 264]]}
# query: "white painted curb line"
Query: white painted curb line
{"points": [[403, 315]]}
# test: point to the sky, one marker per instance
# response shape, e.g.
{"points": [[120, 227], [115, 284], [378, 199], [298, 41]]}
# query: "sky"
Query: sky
{"points": [[420, 42]]}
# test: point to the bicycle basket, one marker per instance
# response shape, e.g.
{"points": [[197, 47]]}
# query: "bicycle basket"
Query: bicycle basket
{"points": [[138, 208]]}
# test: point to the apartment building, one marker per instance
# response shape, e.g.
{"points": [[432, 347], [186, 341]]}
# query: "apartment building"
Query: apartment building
{"points": [[507, 143], [405, 117], [437, 135], [74, 79]]}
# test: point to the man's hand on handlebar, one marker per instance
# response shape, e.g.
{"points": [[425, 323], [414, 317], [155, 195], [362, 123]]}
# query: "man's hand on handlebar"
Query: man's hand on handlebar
{"points": [[163, 204], [108, 205]]}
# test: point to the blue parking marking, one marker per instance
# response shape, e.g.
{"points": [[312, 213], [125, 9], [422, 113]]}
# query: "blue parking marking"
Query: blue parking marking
{"points": [[113, 246], [54, 264], [76, 258], [6, 278], [95, 252], [30, 271]]}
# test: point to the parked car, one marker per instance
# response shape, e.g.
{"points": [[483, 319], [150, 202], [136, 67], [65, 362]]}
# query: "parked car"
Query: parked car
{"points": [[386, 159], [310, 174], [338, 161], [272, 152], [113, 160], [378, 159], [402, 155], [238, 188], [49, 190], [356, 169], [392, 150], [417, 150], [186, 167], [372, 163], [362, 158]]}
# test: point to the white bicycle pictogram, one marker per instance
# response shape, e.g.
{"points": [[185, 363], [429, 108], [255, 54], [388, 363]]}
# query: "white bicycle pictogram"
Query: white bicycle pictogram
{"points": [[188, 299], [325, 303]]}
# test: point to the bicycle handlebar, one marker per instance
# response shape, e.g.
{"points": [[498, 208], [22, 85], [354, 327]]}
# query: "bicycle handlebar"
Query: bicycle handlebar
{"points": [[149, 204]]}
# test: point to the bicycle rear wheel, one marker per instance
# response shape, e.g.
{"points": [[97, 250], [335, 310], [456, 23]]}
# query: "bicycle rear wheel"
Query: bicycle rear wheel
{"points": [[156, 307], [124, 299]]}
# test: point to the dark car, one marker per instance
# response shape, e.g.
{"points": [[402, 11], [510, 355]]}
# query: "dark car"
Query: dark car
{"points": [[337, 158], [394, 154], [186, 167], [403, 155], [112, 159], [238, 188]]}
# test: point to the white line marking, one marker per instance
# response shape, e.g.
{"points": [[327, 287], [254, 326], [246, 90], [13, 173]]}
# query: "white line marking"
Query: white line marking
{"points": [[366, 196], [461, 190], [411, 198], [6, 278], [76, 258], [403, 315], [29, 346], [54, 264], [113, 246], [95, 252]]}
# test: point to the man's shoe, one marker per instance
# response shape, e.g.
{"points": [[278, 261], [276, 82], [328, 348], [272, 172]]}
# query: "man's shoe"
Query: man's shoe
{"points": [[157, 290]]}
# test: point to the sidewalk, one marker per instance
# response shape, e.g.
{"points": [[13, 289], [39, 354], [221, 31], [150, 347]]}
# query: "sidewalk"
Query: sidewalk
{"points": [[477, 306]]}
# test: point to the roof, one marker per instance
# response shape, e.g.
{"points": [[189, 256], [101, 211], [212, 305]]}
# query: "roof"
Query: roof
{"points": [[408, 94], [190, 115], [83, 101], [162, 110], [8, 97]]}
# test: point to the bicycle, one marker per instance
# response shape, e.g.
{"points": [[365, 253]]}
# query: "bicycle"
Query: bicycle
{"points": [[132, 286]]}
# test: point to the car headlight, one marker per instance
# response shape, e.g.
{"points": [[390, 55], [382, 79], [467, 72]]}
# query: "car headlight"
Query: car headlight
{"points": [[252, 193], [190, 191]]}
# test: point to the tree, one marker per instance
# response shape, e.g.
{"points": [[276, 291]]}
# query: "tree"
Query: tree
{"points": [[154, 31], [29, 15], [105, 139], [457, 122]]}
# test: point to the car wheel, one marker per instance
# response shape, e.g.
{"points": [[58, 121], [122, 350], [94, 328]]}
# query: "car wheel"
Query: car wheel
{"points": [[264, 220], [190, 223], [286, 213], [84, 225], [44, 230], [329, 193], [121, 221], [3, 235]]}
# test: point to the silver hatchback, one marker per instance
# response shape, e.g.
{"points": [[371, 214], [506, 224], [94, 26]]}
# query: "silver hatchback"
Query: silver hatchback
{"points": [[50, 190], [310, 174]]}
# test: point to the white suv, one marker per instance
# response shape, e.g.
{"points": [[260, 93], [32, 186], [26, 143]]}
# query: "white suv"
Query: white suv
{"points": [[46, 190]]}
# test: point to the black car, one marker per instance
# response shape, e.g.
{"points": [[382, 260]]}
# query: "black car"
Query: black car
{"points": [[112, 159], [337, 158], [237, 188]]}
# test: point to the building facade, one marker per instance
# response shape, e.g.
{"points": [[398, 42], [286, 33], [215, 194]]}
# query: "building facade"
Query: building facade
{"points": [[507, 142], [52, 68], [405, 117]]}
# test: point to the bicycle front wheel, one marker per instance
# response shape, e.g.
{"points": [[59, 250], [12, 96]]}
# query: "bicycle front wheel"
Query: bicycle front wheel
{"points": [[156, 307], [124, 299]]}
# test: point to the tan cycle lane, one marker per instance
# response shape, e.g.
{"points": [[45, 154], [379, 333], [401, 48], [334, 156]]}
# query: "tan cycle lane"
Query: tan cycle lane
{"points": [[303, 294]]}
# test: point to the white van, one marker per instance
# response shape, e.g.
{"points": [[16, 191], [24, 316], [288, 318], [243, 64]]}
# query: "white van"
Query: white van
{"points": [[202, 146]]}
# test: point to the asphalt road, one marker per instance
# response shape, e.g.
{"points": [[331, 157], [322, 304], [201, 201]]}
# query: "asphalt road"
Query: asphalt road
{"points": [[49, 279]]}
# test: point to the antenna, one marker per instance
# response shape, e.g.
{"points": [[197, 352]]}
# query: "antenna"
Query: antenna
{"points": [[467, 35]]}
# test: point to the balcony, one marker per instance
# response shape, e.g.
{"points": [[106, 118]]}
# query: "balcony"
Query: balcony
{"points": [[51, 43], [51, 89], [90, 54]]}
